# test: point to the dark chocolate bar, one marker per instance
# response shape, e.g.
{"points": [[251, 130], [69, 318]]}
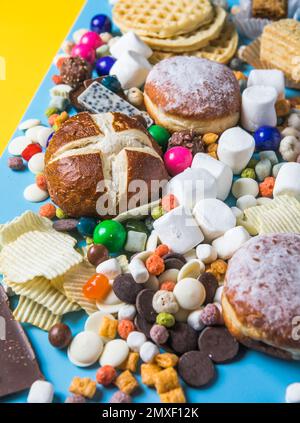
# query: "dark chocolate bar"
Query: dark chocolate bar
{"points": [[18, 364]]}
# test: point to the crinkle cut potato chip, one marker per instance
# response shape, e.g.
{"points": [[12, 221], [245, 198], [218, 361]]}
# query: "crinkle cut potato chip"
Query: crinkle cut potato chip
{"points": [[42, 292], [32, 248], [29, 311]]}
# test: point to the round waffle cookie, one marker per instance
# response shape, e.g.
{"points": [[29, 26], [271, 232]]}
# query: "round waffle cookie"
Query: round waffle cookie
{"points": [[220, 50], [162, 18], [193, 41]]}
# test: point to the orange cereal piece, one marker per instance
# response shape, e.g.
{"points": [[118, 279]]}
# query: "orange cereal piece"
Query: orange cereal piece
{"points": [[124, 328], [48, 210], [267, 186], [155, 265], [162, 250], [169, 202], [219, 266], [41, 181], [167, 286], [106, 375]]}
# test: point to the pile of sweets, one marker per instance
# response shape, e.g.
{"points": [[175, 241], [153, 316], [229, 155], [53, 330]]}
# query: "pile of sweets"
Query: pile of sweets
{"points": [[167, 297]]}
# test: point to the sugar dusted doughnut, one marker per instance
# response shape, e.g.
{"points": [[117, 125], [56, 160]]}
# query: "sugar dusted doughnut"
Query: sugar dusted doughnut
{"points": [[262, 294], [189, 92]]}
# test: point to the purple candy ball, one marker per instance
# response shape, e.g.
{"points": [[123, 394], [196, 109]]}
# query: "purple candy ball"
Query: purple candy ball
{"points": [[120, 398], [159, 334]]}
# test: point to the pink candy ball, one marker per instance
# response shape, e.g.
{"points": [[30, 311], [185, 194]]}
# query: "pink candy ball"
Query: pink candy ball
{"points": [[91, 39], [85, 52], [177, 159]]}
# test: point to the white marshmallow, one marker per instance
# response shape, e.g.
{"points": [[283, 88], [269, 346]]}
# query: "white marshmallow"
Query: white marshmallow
{"points": [[110, 268], [235, 148], [191, 186], [135, 340], [206, 253], [136, 241], [152, 241], [258, 107], [194, 320], [292, 393], [246, 201], [130, 42], [245, 186], [218, 295], [214, 218], [127, 312], [131, 69], [41, 392], [268, 77], [138, 270], [148, 352], [220, 171], [230, 242], [288, 180], [179, 230]]}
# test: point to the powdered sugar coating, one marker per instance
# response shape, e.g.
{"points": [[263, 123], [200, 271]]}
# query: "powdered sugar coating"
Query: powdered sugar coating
{"points": [[263, 285], [193, 87]]}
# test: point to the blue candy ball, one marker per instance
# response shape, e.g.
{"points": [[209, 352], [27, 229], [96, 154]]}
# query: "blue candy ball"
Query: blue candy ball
{"points": [[104, 65], [101, 23], [267, 138], [111, 83], [86, 226]]}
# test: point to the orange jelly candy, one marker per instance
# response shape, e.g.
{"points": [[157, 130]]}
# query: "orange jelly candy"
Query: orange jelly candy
{"points": [[97, 287]]}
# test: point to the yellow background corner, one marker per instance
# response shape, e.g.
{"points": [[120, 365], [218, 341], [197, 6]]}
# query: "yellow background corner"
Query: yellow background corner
{"points": [[31, 33]]}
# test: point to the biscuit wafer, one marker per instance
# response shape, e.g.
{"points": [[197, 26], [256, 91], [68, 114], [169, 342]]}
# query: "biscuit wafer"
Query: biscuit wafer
{"points": [[191, 41], [162, 18], [220, 50]]}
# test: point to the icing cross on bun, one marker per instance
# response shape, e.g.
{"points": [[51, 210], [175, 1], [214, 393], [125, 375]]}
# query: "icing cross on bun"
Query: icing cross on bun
{"points": [[189, 92], [109, 148], [261, 297]]}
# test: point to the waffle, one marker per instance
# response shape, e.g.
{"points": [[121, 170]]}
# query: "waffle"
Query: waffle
{"points": [[280, 47], [162, 18], [193, 41], [220, 50]]}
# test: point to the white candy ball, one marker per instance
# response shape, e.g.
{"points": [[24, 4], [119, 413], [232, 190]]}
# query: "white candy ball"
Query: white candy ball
{"points": [[148, 352], [127, 312], [292, 394], [189, 293], [135, 340]]}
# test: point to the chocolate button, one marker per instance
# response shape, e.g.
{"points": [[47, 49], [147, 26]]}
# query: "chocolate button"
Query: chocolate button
{"points": [[211, 285], [142, 325], [196, 369], [97, 254], [175, 256], [218, 344], [173, 263], [126, 289], [183, 338], [144, 305]]}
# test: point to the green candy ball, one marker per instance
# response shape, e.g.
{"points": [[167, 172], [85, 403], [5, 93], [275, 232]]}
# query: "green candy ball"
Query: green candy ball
{"points": [[165, 319], [111, 234], [161, 135], [248, 173]]}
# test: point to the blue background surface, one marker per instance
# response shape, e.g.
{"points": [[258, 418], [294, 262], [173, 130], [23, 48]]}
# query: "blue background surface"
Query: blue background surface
{"points": [[252, 378]]}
